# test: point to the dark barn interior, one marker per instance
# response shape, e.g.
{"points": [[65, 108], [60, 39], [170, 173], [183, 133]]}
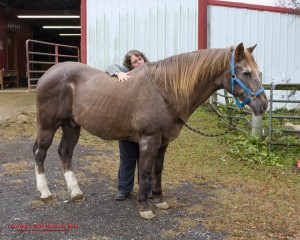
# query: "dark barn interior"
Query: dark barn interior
{"points": [[15, 30]]}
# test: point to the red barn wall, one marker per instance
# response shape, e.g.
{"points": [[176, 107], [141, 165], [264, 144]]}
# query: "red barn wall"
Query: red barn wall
{"points": [[22, 31]]}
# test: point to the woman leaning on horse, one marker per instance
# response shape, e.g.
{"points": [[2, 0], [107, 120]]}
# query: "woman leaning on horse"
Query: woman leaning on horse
{"points": [[129, 151]]}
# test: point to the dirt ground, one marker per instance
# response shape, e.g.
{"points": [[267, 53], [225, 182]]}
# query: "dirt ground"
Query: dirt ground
{"points": [[14, 103], [24, 216]]}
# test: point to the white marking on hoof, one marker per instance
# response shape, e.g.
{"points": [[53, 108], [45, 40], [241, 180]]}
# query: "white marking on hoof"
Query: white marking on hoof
{"points": [[42, 185], [147, 214], [162, 205], [72, 184]]}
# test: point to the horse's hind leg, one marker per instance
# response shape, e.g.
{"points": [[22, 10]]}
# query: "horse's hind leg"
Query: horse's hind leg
{"points": [[70, 136], [40, 148], [156, 176]]}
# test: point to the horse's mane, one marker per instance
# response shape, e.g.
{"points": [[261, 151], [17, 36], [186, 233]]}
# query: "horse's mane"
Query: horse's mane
{"points": [[183, 71]]}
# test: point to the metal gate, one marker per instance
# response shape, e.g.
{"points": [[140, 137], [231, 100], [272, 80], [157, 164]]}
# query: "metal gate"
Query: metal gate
{"points": [[272, 140], [41, 56], [233, 114]]}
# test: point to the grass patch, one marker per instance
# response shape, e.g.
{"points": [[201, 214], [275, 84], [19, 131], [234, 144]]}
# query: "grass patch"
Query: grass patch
{"points": [[22, 125], [251, 199], [15, 168]]}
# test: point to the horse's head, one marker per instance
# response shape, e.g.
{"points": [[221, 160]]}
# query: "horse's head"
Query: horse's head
{"points": [[245, 84]]}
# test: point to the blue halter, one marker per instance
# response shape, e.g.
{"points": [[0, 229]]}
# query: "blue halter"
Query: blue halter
{"points": [[234, 79]]}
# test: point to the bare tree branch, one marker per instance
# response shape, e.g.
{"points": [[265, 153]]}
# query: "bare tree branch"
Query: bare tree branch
{"points": [[295, 4]]}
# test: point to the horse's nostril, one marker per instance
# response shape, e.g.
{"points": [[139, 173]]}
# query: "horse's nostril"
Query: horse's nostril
{"points": [[264, 107]]}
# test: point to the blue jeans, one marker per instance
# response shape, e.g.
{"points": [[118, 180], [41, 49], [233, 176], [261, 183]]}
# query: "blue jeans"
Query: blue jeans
{"points": [[129, 156]]}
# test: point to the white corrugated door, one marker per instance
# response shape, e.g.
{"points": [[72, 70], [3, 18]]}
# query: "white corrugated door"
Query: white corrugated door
{"points": [[159, 28]]}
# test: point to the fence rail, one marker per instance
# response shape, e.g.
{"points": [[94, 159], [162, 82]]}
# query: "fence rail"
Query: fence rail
{"points": [[43, 55], [273, 88], [233, 114], [230, 117]]}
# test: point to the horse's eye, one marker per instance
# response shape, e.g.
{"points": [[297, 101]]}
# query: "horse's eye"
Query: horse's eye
{"points": [[248, 74]]}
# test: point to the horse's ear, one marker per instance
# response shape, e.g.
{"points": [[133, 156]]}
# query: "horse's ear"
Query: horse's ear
{"points": [[239, 52], [250, 49]]}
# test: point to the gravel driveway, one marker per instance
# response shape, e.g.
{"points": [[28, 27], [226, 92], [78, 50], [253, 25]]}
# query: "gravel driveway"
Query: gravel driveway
{"points": [[23, 216]]}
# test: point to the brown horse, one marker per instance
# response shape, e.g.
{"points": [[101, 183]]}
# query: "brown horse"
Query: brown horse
{"points": [[150, 109]]}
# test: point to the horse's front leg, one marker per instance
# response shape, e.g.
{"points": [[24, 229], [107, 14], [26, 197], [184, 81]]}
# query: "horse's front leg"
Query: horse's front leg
{"points": [[156, 176], [149, 147]]}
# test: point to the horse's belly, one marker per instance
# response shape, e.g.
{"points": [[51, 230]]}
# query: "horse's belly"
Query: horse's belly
{"points": [[107, 128], [107, 117]]}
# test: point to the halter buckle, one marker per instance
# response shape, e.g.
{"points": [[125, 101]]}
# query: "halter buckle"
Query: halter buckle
{"points": [[252, 96], [233, 76]]}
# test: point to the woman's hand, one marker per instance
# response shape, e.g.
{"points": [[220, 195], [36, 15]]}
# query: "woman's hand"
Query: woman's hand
{"points": [[122, 76]]}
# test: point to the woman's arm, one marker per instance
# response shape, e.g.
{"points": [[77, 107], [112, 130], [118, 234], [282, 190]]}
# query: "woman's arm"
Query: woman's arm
{"points": [[113, 68], [120, 71]]}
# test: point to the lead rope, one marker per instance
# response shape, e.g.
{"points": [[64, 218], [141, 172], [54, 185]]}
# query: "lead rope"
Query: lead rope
{"points": [[230, 128]]}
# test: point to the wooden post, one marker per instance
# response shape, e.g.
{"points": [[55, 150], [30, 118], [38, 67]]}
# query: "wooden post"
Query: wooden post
{"points": [[257, 121], [256, 126]]}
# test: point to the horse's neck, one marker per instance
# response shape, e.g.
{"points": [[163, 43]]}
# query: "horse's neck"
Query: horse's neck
{"points": [[202, 93], [204, 83]]}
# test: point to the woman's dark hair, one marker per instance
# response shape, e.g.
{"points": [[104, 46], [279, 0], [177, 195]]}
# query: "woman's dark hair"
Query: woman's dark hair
{"points": [[127, 58]]}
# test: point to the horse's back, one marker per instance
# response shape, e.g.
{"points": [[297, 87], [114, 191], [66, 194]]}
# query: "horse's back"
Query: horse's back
{"points": [[55, 90], [100, 103], [72, 90], [62, 74]]}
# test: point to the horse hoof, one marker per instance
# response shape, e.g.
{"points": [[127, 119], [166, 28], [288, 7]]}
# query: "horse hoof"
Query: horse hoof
{"points": [[48, 199], [78, 198], [162, 205], [147, 214]]}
